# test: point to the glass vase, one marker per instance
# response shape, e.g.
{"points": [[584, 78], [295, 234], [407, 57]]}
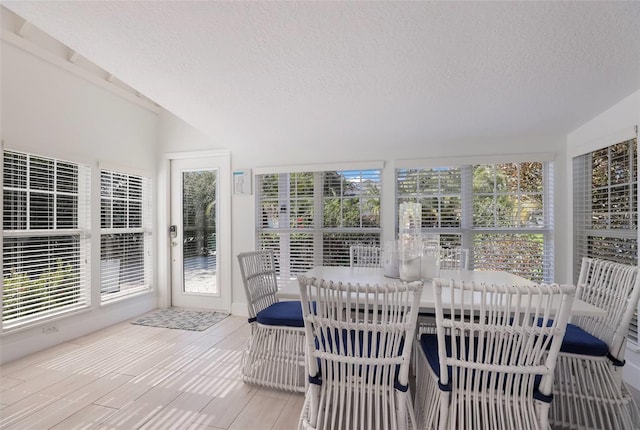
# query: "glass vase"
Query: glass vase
{"points": [[410, 241], [430, 260]]}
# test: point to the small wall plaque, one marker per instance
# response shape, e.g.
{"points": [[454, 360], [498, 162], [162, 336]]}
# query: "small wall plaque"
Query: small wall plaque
{"points": [[242, 182]]}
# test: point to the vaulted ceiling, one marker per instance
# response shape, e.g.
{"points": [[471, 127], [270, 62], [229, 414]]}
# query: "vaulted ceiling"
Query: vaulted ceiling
{"points": [[285, 74]]}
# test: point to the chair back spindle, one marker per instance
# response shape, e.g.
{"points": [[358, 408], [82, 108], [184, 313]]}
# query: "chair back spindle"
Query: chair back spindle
{"points": [[454, 258], [365, 256], [259, 280]]}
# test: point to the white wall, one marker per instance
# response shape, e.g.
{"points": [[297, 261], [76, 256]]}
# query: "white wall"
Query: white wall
{"points": [[610, 127], [47, 110], [619, 117]]}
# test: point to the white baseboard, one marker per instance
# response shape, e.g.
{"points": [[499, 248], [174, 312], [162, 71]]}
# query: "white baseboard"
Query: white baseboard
{"points": [[239, 309], [631, 372]]}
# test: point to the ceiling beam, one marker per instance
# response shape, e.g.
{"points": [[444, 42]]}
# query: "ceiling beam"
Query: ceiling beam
{"points": [[73, 56], [23, 29]]}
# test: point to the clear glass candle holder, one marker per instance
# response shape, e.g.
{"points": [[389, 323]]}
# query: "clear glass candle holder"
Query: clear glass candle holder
{"points": [[430, 259], [391, 259]]}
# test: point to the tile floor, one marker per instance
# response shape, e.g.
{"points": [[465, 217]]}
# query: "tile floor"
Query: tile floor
{"points": [[136, 377]]}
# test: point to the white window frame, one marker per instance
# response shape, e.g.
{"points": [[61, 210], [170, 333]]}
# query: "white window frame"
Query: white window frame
{"points": [[35, 270], [114, 286]]}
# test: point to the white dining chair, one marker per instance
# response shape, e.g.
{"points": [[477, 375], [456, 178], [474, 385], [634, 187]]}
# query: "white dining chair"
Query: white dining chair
{"points": [[490, 365], [365, 256], [454, 258], [450, 259], [588, 390], [274, 356], [359, 340]]}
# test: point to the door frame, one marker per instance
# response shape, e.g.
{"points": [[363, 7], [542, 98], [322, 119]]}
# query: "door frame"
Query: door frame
{"points": [[164, 218]]}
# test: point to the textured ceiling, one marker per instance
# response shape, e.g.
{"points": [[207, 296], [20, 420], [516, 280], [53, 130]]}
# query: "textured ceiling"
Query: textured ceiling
{"points": [[367, 74]]}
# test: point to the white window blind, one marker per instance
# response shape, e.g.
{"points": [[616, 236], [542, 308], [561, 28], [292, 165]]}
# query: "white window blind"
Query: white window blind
{"points": [[605, 199], [125, 239], [513, 219], [312, 218], [439, 191], [502, 213], [45, 260]]}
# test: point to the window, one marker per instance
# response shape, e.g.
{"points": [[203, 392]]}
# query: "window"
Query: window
{"points": [[439, 191], [605, 200], [125, 238], [45, 261], [502, 213], [312, 218]]}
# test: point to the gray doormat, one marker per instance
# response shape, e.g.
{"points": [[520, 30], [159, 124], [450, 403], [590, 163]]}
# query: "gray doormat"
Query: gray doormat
{"points": [[181, 319]]}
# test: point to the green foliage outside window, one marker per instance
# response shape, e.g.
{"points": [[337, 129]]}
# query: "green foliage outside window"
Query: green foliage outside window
{"points": [[346, 202], [199, 212], [312, 218], [508, 195], [24, 295], [350, 203], [505, 225]]}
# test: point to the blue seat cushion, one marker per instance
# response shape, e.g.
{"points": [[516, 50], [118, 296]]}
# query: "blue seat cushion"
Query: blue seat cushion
{"points": [[429, 344], [287, 314], [427, 314], [578, 341], [352, 343], [341, 342]]}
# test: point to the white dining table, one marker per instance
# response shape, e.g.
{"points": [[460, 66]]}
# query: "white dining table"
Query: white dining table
{"points": [[375, 276]]}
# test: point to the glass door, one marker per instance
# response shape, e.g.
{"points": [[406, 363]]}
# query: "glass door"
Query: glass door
{"points": [[197, 247]]}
